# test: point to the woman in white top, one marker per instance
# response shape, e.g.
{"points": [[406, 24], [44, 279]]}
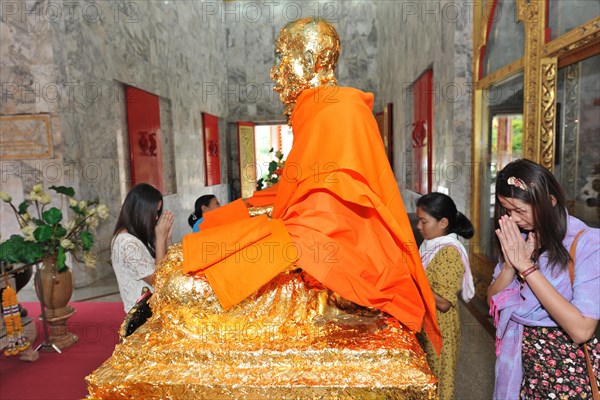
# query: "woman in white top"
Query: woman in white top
{"points": [[141, 238]]}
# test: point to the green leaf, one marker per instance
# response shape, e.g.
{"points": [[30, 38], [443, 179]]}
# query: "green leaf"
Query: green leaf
{"points": [[60, 231], [23, 207], [38, 222], [52, 216], [32, 252], [17, 250], [87, 239], [67, 191], [77, 210], [272, 167], [61, 258], [16, 239], [9, 250], [42, 233]]}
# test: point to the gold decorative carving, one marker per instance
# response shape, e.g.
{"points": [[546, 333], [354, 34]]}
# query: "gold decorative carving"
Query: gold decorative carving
{"points": [[247, 161], [499, 75], [531, 13], [549, 67], [476, 156], [480, 27], [256, 211], [25, 137], [575, 39]]}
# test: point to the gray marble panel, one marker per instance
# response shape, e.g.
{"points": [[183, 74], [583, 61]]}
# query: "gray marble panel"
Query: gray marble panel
{"points": [[414, 36], [250, 48]]}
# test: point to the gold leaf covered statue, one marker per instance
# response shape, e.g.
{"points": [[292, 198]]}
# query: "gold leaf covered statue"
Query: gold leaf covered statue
{"points": [[306, 54], [320, 299]]}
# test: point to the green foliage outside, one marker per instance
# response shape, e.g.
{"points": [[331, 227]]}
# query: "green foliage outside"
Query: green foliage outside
{"points": [[274, 172]]}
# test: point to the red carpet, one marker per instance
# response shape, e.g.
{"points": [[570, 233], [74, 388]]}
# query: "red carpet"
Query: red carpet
{"points": [[61, 376]]}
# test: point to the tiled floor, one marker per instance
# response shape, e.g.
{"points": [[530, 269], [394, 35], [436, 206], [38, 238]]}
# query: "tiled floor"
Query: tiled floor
{"points": [[475, 375]]}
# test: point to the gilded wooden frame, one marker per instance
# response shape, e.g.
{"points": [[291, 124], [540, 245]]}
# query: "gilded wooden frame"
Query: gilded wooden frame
{"points": [[540, 65], [247, 156], [16, 146]]}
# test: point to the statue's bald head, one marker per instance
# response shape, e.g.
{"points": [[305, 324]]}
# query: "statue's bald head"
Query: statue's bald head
{"points": [[306, 54]]}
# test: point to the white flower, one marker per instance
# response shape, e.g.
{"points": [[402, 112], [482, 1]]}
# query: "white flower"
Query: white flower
{"points": [[72, 224], [38, 189], [102, 211], [45, 199], [67, 244], [26, 217], [33, 196], [82, 204], [89, 259], [5, 197], [73, 203], [28, 232], [93, 222]]}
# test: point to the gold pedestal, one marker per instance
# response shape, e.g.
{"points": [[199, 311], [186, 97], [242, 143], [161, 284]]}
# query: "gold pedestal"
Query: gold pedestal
{"points": [[286, 341]]}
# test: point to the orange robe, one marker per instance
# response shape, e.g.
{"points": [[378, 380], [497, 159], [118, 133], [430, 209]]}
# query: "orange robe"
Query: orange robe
{"points": [[341, 205]]}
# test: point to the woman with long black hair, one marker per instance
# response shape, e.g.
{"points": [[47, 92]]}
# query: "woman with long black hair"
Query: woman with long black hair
{"points": [[141, 238]]}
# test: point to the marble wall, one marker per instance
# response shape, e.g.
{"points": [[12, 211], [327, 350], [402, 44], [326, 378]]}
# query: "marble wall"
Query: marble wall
{"points": [[413, 37], [251, 28], [72, 59]]}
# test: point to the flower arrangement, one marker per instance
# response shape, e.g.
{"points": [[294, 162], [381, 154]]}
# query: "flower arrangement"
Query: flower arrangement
{"points": [[275, 170], [45, 231]]}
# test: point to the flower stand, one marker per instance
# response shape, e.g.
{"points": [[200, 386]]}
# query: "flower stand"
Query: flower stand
{"points": [[54, 289]]}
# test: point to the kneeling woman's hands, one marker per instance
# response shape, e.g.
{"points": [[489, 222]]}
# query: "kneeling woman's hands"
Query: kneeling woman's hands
{"points": [[164, 228]]}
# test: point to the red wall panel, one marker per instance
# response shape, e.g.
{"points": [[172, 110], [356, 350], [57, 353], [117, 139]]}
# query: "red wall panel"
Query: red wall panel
{"points": [[212, 160], [145, 145], [422, 132]]}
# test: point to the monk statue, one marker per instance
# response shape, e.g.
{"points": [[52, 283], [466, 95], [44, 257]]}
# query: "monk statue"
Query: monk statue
{"points": [[319, 296], [306, 54]]}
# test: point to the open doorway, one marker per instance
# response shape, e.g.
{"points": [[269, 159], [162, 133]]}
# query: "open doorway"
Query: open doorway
{"points": [[269, 140], [506, 145]]}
